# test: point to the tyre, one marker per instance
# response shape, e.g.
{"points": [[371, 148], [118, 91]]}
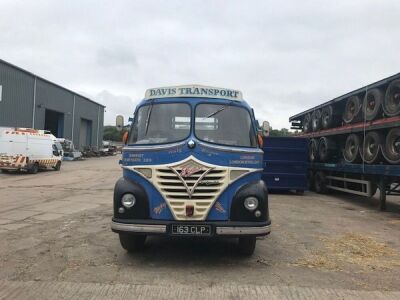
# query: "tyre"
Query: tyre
{"points": [[307, 123], [34, 168], [320, 182], [371, 149], [313, 150], [391, 103], [299, 192], [58, 166], [351, 151], [326, 149], [247, 245], [327, 116], [374, 188], [310, 179], [372, 104], [352, 109], [391, 147], [316, 120], [132, 243]]}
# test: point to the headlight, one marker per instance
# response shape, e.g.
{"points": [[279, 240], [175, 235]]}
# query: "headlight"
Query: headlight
{"points": [[128, 200], [251, 203]]}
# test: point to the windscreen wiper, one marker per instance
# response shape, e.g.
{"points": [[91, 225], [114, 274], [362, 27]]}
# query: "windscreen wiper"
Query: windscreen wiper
{"points": [[148, 118], [219, 110]]}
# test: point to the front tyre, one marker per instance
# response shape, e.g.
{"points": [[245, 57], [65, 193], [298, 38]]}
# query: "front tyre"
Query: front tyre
{"points": [[132, 243], [57, 167], [247, 245]]}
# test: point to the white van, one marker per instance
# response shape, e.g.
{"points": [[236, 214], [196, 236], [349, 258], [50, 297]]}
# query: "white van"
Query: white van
{"points": [[29, 149]]}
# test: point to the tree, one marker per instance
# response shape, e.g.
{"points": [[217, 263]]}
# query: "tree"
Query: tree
{"points": [[280, 132], [112, 134]]}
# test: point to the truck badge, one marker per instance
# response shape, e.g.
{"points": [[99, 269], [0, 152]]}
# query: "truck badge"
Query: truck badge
{"points": [[187, 170]]}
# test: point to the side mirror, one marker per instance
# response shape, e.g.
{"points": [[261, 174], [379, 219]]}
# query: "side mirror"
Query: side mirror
{"points": [[119, 122], [56, 153], [266, 128], [125, 138]]}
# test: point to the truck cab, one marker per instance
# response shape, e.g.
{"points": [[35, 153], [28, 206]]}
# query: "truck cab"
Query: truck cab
{"points": [[192, 167]]}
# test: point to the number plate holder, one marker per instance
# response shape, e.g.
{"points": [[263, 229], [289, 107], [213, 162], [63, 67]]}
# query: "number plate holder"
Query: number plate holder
{"points": [[191, 229]]}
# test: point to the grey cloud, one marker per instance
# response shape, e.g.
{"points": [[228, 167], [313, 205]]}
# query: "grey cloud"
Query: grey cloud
{"points": [[285, 57]]}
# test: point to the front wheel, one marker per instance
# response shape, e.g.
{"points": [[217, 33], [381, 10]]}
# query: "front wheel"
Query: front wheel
{"points": [[34, 168], [247, 245], [57, 167], [132, 243]]}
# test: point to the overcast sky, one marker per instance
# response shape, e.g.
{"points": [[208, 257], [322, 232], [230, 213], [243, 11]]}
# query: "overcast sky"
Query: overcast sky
{"points": [[285, 56]]}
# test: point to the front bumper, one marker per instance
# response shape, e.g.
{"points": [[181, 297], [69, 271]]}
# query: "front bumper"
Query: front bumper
{"points": [[156, 227]]}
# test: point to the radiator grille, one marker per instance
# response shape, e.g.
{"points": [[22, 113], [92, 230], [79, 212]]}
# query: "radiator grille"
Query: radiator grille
{"points": [[191, 183]]}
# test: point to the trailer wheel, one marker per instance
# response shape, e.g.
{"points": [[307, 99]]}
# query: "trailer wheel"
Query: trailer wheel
{"points": [[371, 149], [57, 167], [320, 182], [132, 243], [391, 147], [313, 150], [310, 178], [372, 104], [326, 148], [34, 168], [351, 152], [247, 245], [316, 120], [374, 188], [391, 103], [327, 117], [307, 123], [352, 109]]}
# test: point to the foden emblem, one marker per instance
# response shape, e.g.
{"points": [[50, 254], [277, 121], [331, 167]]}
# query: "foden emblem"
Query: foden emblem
{"points": [[188, 170]]}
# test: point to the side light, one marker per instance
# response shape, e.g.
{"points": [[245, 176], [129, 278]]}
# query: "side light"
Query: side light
{"points": [[234, 174], [146, 172]]}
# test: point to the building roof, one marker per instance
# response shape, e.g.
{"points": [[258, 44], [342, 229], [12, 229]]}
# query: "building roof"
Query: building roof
{"points": [[48, 81]]}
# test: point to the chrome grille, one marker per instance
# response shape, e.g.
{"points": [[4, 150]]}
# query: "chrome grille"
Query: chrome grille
{"points": [[199, 189]]}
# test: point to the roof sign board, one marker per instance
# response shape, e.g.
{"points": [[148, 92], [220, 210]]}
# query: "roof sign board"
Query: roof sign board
{"points": [[199, 91]]}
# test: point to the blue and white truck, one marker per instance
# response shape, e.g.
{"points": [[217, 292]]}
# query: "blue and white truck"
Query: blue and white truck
{"points": [[192, 166]]}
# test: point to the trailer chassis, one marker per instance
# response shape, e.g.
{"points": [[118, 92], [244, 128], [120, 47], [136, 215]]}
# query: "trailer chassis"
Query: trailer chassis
{"points": [[358, 179]]}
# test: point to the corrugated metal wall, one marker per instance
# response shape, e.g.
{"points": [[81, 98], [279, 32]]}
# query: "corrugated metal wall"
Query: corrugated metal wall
{"points": [[51, 97], [17, 104]]}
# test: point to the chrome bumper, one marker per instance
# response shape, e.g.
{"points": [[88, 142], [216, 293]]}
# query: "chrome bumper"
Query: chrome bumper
{"points": [[219, 230]]}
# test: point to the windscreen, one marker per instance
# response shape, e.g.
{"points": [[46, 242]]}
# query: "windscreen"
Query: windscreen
{"points": [[225, 125], [161, 123]]}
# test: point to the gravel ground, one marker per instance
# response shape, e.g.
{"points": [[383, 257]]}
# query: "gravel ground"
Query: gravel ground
{"points": [[55, 227]]}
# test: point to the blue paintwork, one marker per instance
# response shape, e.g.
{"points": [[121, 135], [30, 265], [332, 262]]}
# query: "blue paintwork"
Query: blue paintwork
{"points": [[228, 156], [285, 163]]}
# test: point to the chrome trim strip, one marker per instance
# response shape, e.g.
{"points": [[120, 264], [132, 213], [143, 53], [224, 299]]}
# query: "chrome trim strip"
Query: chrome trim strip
{"points": [[139, 228], [231, 149], [243, 230], [152, 147]]}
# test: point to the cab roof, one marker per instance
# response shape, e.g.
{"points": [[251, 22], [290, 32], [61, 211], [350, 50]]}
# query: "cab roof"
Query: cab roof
{"points": [[199, 91]]}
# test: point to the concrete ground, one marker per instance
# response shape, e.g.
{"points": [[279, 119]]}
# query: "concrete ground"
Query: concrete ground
{"points": [[56, 240]]}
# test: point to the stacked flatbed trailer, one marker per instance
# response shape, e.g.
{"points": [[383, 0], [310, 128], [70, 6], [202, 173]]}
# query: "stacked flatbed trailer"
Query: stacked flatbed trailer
{"points": [[355, 141]]}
